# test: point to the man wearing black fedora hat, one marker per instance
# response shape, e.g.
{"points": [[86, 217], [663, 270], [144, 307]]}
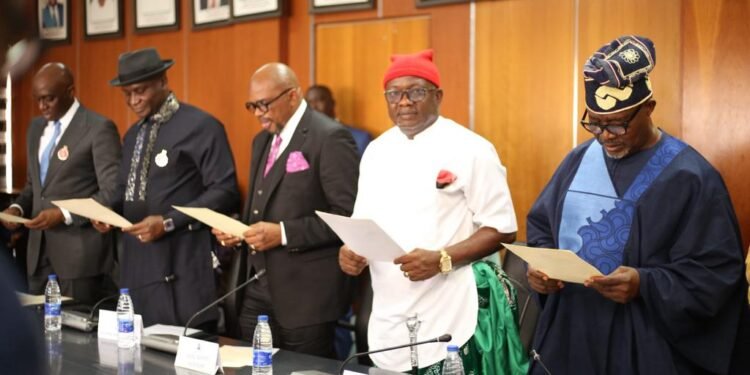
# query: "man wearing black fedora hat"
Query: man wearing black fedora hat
{"points": [[175, 154]]}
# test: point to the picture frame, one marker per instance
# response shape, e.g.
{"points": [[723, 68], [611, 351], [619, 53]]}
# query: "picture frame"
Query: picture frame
{"points": [[53, 20], [102, 18], [156, 15], [326, 6], [210, 13], [244, 10], [429, 3]]}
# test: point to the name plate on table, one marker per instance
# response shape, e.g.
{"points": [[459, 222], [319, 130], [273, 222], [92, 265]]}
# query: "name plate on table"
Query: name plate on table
{"points": [[108, 326], [198, 355]]}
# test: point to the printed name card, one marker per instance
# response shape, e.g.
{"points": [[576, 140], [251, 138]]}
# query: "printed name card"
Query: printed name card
{"points": [[108, 329], [198, 355]]}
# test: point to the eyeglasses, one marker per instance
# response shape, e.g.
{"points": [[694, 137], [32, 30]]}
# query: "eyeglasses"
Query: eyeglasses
{"points": [[262, 105], [613, 127], [414, 95]]}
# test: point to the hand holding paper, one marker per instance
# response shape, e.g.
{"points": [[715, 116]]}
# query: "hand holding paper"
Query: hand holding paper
{"points": [[558, 264], [93, 210], [216, 220], [364, 237]]}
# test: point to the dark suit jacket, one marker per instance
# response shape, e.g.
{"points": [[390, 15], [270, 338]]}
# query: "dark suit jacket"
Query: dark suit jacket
{"points": [[306, 284], [48, 21], [90, 170], [199, 172]]}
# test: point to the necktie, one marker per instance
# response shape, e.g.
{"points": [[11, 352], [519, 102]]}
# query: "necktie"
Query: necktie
{"points": [[48, 151], [272, 155]]}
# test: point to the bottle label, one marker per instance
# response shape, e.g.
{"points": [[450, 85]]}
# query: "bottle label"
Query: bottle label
{"points": [[262, 358], [51, 309], [124, 325]]}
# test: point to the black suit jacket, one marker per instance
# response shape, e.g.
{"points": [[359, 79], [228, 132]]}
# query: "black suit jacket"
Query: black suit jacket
{"points": [[306, 284], [89, 170]]}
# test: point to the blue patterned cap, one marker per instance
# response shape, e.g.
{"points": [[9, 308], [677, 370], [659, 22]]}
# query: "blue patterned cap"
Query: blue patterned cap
{"points": [[616, 76]]}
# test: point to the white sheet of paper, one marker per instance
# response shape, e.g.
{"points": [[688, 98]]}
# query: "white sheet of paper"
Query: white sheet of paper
{"points": [[30, 299], [214, 219], [92, 209], [163, 329], [13, 218], [238, 356], [364, 237], [558, 264]]}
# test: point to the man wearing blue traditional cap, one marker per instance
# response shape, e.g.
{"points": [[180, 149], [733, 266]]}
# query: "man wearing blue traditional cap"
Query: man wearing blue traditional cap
{"points": [[655, 218]]}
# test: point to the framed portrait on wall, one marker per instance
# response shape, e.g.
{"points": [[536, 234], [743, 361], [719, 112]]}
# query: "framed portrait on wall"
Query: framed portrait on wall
{"points": [[156, 15], [427, 3], [54, 20], [323, 6], [255, 9], [210, 13], [103, 18]]}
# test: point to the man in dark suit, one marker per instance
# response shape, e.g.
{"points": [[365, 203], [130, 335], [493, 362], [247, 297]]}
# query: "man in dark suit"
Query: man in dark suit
{"points": [[301, 162], [320, 98], [72, 153], [175, 154], [53, 15]]}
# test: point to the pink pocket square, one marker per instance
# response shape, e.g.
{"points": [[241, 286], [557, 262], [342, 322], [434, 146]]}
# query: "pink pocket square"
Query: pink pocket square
{"points": [[296, 162]]}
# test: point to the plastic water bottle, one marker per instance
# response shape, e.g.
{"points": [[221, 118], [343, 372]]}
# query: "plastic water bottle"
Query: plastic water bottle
{"points": [[125, 317], [262, 347], [453, 364], [52, 301]]}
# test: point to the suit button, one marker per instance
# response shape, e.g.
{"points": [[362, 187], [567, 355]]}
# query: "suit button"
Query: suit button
{"points": [[255, 212], [260, 192], [253, 252]]}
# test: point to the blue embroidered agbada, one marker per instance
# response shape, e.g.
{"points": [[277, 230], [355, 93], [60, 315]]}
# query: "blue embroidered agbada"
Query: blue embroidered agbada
{"points": [[669, 216]]}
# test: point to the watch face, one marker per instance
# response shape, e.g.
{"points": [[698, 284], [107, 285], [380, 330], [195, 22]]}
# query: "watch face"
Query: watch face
{"points": [[168, 225]]}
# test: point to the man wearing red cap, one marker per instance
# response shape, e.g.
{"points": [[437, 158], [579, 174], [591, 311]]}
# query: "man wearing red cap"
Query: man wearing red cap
{"points": [[439, 190]]}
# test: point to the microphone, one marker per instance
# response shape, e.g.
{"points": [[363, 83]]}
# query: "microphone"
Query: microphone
{"points": [[536, 357], [87, 322], [169, 343], [444, 338], [257, 276]]}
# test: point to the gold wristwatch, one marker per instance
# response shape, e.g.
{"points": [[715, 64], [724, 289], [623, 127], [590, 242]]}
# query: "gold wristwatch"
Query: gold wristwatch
{"points": [[446, 265]]}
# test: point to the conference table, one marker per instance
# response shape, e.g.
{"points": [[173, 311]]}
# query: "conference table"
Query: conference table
{"points": [[80, 353]]}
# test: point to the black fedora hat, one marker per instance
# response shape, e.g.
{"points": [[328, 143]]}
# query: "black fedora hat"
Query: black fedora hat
{"points": [[136, 66]]}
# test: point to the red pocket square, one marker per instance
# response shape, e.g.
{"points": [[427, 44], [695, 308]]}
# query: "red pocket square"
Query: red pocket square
{"points": [[444, 178], [296, 162]]}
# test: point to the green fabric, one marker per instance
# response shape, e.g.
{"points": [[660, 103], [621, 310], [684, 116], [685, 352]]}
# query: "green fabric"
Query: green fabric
{"points": [[496, 346]]}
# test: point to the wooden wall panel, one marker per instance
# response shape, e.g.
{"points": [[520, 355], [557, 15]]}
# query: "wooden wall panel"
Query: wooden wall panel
{"points": [[658, 20], [716, 82], [352, 57], [523, 90]]}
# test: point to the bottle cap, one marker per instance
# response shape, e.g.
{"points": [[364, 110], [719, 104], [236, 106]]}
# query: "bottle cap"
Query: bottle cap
{"points": [[453, 348], [124, 291], [262, 318], [52, 276]]}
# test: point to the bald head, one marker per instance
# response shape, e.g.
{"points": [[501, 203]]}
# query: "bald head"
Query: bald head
{"points": [[274, 96], [53, 90]]}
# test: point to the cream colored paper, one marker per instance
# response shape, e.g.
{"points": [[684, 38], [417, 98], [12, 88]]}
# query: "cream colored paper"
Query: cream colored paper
{"points": [[92, 209], [13, 218], [558, 264], [216, 220], [30, 300], [238, 356], [364, 237]]}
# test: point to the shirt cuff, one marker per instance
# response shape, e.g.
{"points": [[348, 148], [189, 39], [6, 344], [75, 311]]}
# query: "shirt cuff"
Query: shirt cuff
{"points": [[18, 206], [283, 234], [68, 217]]}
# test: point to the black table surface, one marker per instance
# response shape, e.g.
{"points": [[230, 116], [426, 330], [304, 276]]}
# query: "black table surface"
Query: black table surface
{"points": [[75, 352]]}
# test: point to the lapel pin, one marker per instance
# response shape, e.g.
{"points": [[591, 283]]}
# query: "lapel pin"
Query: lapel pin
{"points": [[63, 153], [162, 159]]}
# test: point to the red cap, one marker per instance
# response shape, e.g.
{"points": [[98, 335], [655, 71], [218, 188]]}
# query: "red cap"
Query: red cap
{"points": [[417, 65]]}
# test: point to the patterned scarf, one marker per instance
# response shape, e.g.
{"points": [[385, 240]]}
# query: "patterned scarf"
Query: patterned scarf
{"points": [[164, 114]]}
